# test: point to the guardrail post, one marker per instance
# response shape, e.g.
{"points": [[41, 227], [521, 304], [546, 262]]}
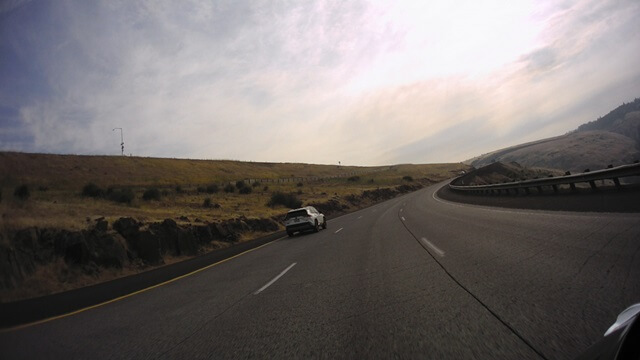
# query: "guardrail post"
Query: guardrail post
{"points": [[617, 182], [555, 188], [540, 189], [526, 191], [593, 185], [573, 186]]}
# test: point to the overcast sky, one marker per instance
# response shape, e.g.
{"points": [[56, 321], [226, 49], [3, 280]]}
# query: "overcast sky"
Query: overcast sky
{"points": [[361, 82]]}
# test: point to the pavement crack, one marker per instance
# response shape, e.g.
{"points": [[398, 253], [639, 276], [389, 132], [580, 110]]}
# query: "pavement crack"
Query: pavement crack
{"points": [[485, 306], [593, 254]]}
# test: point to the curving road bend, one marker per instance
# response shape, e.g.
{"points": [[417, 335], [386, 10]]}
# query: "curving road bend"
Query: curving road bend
{"points": [[413, 277]]}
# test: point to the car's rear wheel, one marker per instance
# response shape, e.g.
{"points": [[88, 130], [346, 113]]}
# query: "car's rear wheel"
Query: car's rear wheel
{"points": [[316, 228], [324, 224]]}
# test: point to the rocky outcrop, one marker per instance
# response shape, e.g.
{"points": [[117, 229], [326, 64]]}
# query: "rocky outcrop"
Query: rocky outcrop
{"points": [[128, 241]]}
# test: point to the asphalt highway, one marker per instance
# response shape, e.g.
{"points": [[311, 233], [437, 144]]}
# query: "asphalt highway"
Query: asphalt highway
{"points": [[413, 277]]}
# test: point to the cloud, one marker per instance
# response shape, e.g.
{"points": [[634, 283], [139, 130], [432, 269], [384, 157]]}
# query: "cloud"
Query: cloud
{"points": [[363, 82]]}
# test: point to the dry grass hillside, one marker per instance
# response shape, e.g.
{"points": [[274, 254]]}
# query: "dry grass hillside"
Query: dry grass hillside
{"points": [[56, 183], [499, 172], [612, 139], [574, 152], [73, 171]]}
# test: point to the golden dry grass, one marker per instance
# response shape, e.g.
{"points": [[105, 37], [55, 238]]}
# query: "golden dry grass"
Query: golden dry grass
{"points": [[56, 183]]}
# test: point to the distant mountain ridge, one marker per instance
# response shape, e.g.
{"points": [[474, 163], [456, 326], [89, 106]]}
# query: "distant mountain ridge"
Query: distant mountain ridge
{"points": [[611, 139], [624, 120]]}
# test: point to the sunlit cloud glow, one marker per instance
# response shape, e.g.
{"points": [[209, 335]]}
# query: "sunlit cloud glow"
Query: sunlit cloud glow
{"points": [[362, 82]]}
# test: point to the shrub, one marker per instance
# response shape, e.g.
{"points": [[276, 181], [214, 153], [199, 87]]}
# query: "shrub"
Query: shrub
{"points": [[299, 184], [92, 190], [125, 196], [229, 188], [207, 202], [212, 189], [245, 190], [407, 178], [22, 192], [151, 194], [354, 178], [265, 188], [202, 189], [240, 184], [288, 200], [255, 184], [179, 189]]}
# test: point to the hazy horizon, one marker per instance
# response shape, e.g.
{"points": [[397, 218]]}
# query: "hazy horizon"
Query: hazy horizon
{"points": [[364, 83]]}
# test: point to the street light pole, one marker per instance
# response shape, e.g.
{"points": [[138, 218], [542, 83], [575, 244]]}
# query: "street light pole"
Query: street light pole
{"points": [[121, 139]]}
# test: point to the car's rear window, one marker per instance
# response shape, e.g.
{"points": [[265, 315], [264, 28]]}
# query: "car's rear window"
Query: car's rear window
{"points": [[297, 213]]}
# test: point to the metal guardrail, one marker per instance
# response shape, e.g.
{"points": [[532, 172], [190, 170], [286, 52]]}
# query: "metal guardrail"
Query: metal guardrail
{"points": [[614, 174]]}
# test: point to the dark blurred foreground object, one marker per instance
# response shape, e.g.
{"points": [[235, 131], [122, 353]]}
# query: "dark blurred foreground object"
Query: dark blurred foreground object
{"points": [[621, 341]]}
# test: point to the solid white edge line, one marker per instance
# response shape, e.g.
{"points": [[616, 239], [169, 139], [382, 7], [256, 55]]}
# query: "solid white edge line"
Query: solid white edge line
{"points": [[75, 312], [337, 231], [274, 279], [403, 219], [433, 247]]}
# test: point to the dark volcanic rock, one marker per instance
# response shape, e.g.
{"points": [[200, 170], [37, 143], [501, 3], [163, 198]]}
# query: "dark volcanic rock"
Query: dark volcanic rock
{"points": [[128, 227], [167, 233], [147, 247], [15, 265], [72, 246], [107, 250], [102, 225]]}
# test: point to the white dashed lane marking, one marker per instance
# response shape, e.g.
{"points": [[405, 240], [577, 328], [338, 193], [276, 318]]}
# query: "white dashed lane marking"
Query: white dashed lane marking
{"points": [[432, 247], [274, 279]]}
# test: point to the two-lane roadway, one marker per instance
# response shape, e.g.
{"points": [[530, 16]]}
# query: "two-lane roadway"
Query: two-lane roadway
{"points": [[413, 277]]}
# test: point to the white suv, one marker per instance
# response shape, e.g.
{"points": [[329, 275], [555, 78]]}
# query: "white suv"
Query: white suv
{"points": [[306, 218]]}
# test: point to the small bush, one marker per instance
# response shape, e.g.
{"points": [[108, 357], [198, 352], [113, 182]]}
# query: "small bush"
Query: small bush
{"points": [[201, 189], [299, 184], [245, 190], [179, 189], [206, 203], [229, 188], [22, 192], [265, 188], [124, 196], [354, 178], [212, 189], [407, 178], [151, 194], [255, 184], [288, 200], [240, 184], [92, 190]]}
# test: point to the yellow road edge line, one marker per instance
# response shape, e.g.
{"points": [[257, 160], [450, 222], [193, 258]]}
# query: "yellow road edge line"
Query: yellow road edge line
{"points": [[75, 312]]}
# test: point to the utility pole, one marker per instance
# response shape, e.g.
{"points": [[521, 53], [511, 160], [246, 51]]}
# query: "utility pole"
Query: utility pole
{"points": [[121, 139]]}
